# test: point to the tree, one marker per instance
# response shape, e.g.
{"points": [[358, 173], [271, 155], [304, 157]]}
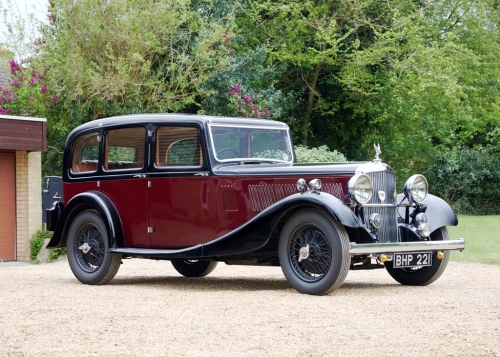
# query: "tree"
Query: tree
{"points": [[103, 58], [435, 88], [142, 55], [314, 39]]}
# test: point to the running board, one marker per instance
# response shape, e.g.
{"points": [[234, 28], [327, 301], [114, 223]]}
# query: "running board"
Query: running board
{"points": [[397, 247], [191, 252]]}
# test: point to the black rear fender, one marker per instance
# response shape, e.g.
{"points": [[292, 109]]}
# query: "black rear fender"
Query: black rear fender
{"points": [[91, 200]]}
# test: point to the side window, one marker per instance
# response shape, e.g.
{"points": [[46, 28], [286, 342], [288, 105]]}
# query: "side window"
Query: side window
{"points": [[178, 146], [86, 154], [124, 149]]}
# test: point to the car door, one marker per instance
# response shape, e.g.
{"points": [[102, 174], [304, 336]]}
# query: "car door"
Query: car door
{"points": [[124, 180], [182, 208]]}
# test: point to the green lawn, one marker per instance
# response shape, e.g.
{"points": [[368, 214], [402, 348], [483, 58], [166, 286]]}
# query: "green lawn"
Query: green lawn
{"points": [[482, 239]]}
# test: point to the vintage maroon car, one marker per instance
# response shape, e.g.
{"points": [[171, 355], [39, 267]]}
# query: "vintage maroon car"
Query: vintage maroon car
{"points": [[198, 190]]}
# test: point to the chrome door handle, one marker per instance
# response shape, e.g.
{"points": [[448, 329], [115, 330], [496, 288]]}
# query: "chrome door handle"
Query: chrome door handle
{"points": [[139, 176], [201, 174]]}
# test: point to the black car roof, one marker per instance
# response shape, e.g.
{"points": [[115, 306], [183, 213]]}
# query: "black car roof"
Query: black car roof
{"points": [[173, 118], [164, 118]]}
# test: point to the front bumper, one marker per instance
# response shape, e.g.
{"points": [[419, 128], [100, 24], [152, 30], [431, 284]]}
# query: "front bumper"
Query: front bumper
{"points": [[397, 247]]}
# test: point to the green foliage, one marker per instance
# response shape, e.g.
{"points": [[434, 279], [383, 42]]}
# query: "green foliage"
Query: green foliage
{"points": [[120, 57], [247, 75], [468, 179], [36, 244], [27, 92], [315, 39], [117, 57], [320, 154], [56, 252], [427, 94]]}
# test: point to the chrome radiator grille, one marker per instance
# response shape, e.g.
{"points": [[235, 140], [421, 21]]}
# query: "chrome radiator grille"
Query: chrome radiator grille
{"points": [[384, 181]]}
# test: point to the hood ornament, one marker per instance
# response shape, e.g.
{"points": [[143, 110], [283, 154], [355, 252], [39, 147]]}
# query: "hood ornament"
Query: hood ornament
{"points": [[377, 153]]}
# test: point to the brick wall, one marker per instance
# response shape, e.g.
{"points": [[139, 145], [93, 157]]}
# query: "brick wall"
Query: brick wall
{"points": [[28, 200]]}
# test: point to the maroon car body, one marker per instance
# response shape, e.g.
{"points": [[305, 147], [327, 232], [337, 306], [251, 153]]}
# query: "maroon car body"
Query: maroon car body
{"points": [[200, 190]]}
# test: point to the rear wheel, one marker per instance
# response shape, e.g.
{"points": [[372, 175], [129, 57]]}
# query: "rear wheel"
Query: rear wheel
{"points": [[88, 250], [193, 268], [423, 275], [314, 253]]}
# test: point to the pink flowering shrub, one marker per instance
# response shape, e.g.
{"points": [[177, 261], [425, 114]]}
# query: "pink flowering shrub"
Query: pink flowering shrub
{"points": [[23, 96], [246, 106]]}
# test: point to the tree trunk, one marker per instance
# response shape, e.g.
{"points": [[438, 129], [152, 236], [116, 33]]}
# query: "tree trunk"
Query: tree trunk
{"points": [[310, 102]]}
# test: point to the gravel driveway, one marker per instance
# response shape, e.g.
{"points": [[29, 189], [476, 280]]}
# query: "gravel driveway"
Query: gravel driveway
{"points": [[149, 310]]}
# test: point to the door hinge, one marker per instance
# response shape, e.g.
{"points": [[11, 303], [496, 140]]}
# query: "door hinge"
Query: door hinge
{"points": [[150, 229], [149, 183]]}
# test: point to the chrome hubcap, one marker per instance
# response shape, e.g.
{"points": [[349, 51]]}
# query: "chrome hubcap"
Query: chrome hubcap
{"points": [[304, 253], [85, 248]]}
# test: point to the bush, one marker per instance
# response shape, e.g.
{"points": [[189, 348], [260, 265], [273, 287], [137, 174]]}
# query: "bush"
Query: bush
{"points": [[468, 179], [320, 154], [36, 244]]}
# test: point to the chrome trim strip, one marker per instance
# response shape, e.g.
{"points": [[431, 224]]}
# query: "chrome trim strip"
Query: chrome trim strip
{"points": [[378, 205], [374, 248], [249, 126], [371, 167]]}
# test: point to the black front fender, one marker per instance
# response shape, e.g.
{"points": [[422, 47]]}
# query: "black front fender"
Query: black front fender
{"points": [[439, 213], [256, 233], [92, 200]]}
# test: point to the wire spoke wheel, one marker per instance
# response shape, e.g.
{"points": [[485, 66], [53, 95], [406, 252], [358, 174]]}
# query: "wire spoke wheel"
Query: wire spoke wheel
{"points": [[87, 245], [193, 268], [319, 259], [91, 260], [314, 252], [420, 276]]}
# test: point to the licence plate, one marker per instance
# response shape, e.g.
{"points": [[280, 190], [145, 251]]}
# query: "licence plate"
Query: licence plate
{"points": [[410, 260]]}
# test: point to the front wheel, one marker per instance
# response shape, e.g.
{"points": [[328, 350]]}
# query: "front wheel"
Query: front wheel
{"points": [[314, 252], [420, 276], [193, 268], [88, 250]]}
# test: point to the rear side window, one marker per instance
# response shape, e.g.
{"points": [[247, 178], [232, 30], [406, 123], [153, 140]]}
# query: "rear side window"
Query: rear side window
{"points": [[178, 146], [124, 149], [86, 154]]}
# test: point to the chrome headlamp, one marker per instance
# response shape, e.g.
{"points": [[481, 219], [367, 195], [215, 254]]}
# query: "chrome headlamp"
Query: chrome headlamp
{"points": [[375, 220], [302, 185], [424, 230], [315, 184], [360, 188], [416, 189], [420, 218]]}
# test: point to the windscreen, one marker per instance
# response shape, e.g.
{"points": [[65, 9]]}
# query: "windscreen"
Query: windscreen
{"points": [[237, 143]]}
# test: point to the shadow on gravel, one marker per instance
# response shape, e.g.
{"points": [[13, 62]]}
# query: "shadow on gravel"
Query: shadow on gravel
{"points": [[362, 288], [206, 283], [239, 284]]}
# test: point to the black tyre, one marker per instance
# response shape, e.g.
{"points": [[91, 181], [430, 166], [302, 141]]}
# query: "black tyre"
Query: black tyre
{"points": [[88, 250], [420, 276], [314, 252], [193, 268]]}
